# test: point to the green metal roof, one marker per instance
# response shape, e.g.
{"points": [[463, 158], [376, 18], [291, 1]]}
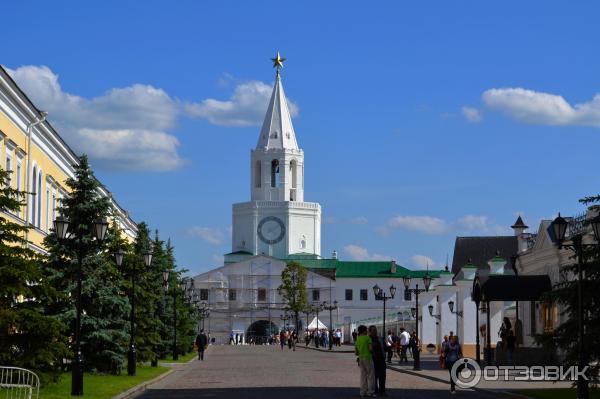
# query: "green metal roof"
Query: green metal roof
{"points": [[357, 269], [239, 253]]}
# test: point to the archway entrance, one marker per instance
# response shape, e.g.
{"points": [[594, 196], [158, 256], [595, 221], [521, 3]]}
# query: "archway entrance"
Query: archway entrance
{"points": [[259, 331]]}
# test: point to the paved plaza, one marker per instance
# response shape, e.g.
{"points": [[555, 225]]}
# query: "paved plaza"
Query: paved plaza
{"points": [[268, 372]]}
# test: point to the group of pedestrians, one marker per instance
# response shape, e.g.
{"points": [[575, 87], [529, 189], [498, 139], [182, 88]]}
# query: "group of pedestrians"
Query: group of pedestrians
{"points": [[399, 345], [323, 338]]}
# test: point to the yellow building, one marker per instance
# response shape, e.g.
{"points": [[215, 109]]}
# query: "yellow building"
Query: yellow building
{"points": [[40, 162]]}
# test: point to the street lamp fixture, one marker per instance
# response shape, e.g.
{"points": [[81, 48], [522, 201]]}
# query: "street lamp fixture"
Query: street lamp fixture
{"points": [[435, 316], [459, 313], [380, 295], [99, 228], [427, 283]]}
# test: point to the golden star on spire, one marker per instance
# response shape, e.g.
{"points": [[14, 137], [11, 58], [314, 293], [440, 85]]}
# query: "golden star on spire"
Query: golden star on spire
{"points": [[278, 62]]}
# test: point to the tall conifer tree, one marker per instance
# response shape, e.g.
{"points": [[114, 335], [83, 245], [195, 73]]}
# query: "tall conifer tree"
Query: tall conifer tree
{"points": [[105, 308], [28, 337]]}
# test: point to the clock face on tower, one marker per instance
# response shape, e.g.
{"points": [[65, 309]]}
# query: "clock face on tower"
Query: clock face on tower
{"points": [[271, 230]]}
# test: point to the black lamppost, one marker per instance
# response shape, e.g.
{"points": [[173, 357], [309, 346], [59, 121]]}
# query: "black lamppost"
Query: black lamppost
{"points": [[476, 296], [317, 308], [61, 226], [559, 228], [175, 292], [131, 354], [203, 312], [417, 291], [381, 295], [285, 318], [331, 307]]}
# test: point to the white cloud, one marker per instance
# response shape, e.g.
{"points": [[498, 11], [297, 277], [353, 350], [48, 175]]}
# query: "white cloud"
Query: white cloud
{"points": [[359, 253], [542, 108], [210, 235], [125, 128], [246, 107], [433, 225], [423, 224], [471, 114], [359, 220], [422, 262]]}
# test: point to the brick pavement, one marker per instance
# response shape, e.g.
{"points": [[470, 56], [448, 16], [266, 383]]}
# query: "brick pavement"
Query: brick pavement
{"points": [[261, 371]]}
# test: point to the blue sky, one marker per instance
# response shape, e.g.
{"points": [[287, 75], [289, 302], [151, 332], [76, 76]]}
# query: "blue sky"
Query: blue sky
{"points": [[419, 122]]}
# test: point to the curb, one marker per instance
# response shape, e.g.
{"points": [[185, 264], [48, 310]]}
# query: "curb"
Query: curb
{"points": [[141, 388], [325, 350]]}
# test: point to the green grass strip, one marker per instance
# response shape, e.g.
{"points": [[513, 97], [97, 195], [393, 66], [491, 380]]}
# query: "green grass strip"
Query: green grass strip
{"points": [[97, 386]]}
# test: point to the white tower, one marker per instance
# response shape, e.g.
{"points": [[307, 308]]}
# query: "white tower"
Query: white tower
{"points": [[277, 221]]}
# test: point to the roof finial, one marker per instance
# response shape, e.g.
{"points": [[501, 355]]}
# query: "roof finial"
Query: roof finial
{"points": [[278, 62]]}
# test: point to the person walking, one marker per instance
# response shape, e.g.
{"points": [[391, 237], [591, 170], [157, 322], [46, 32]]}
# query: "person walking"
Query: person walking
{"points": [[378, 361], [354, 335], [452, 354], [201, 344], [414, 344], [282, 339], [510, 347], [389, 346], [404, 343], [364, 352], [443, 351]]}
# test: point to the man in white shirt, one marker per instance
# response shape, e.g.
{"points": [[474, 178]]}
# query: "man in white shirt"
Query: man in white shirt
{"points": [[404, 341], [389, 345]]}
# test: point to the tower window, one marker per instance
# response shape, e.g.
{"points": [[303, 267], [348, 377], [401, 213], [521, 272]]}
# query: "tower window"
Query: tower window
{"points": [[257, 174], [232, 295], [262, 294], [293, 172], [275, 173]]}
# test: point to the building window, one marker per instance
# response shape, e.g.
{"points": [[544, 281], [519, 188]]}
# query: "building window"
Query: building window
{"points": [[275, 173], [53, 206], [549, 316], [8, 168], [203, 294], [33, 198], [293, 171], [262, 294], [232, 295], [258, 174], [348, 294], [316, 295], [47, 209], [39, 199], [364, 295], [407, 295]]}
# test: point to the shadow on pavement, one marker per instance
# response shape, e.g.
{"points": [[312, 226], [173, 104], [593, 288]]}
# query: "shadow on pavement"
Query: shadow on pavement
{"points": [[302, 393]]}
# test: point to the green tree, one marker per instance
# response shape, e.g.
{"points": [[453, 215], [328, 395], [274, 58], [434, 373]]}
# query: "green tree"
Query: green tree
{"points": [[564, 294], [28, 337], [148, 292], [293, 289], [104, 307]]}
